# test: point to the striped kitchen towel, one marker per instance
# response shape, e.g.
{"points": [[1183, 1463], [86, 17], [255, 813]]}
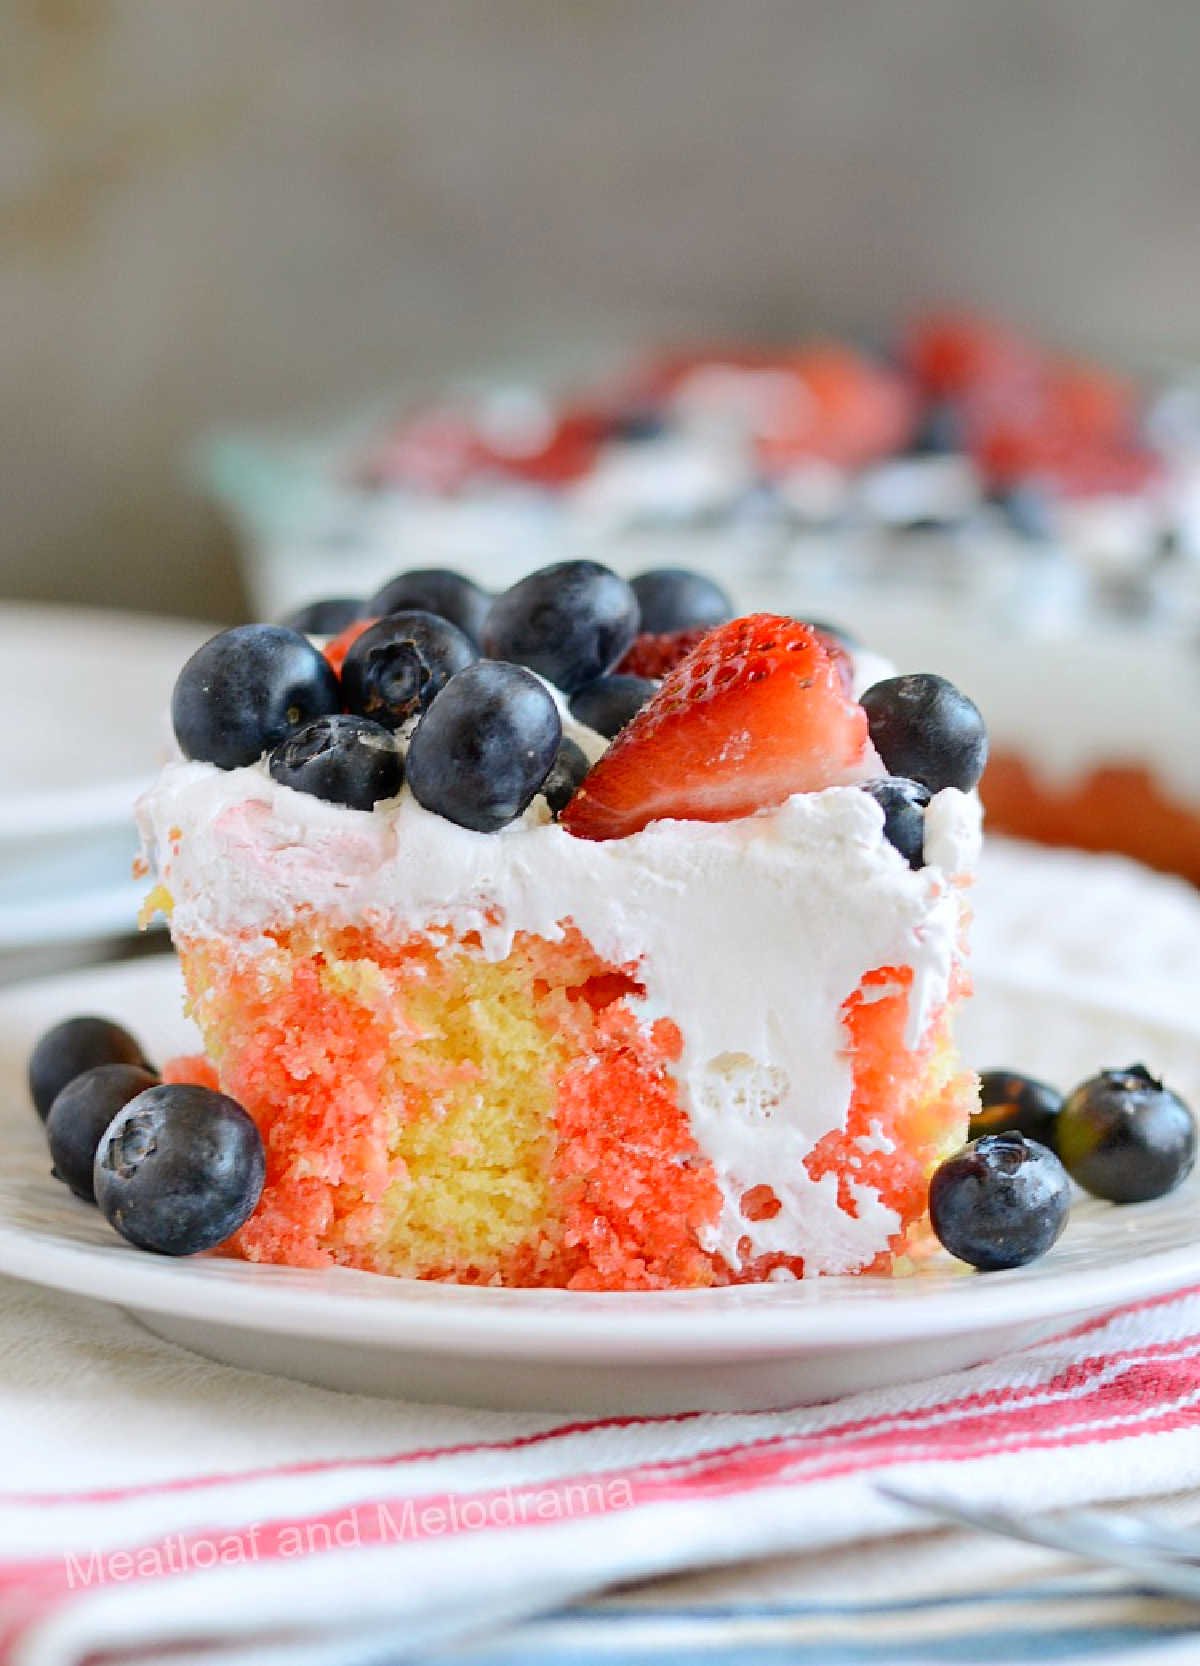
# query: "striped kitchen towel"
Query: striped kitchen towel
{"points": [[149, 1499]]}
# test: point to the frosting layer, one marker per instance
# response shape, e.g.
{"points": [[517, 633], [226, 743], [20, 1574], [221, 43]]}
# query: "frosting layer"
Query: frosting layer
{"points": [[751, 935]]}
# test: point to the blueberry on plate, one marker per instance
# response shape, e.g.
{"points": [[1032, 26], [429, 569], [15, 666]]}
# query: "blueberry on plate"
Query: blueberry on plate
{"points": [[674, 599], [1014, 1104], [485, 746], [609, 703], [566, 775], [434, 590], [327, 617], [570, 623], [246, 690], [394, 669], [926, 729], [70, 1048], [903, 804], [1001, 1201], [344, 760], [81, 1115], [179, 1169], [1126, 1137]]}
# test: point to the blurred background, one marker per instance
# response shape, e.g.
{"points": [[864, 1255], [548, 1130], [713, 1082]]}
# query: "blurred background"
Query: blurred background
{"points": [[248, 209]]}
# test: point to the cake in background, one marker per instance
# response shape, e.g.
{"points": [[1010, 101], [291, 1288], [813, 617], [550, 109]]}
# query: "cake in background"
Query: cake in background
{"points": [[1037, 515]]}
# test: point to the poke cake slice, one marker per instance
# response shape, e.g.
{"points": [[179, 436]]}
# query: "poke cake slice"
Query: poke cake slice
{"points": [[513, 1002]]}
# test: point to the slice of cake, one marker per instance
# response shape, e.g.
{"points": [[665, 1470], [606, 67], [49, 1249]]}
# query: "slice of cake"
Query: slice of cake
{"points": [[511, 1004]]}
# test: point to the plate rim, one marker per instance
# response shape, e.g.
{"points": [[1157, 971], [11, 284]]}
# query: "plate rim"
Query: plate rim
{"points": [[103, 804], [649, 1327]]}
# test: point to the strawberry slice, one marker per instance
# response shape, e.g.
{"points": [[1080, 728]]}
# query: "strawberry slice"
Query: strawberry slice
{"points": [[654, 655], [337, 649], [956, 353], [756, 712]]}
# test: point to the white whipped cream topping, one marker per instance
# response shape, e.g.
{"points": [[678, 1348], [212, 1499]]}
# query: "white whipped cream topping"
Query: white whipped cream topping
{"points": [[663, 480], [907, 489], [750, 934]]}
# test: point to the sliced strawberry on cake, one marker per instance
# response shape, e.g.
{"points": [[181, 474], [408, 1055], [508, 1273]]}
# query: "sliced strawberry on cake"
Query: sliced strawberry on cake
{"points": [[757, 711]]}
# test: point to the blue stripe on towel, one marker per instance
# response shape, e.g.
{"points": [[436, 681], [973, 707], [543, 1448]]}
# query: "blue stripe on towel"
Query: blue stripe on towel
{"points": [[968, 1629]]}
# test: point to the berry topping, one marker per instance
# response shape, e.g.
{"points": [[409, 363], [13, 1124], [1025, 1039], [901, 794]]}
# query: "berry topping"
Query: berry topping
{"points": [[344, 760], [637, 425], [833, 403], [1126, 1137], [1016, 1104], [392, 671], [839, 644], [926, 729], [674, 599], [246, 690], [940, 432], [552, 450], [653, 656], [609, 703], [432, 451], [435, 590], [80, 1117], [755, 713], [953, 354], [179, 1169], [846, 640], [1030, 510], [566, 773], [70, 1048], [903, 804], [485, 746], [326, 617], [570, 623], [340, 646], [1000, 1202]]}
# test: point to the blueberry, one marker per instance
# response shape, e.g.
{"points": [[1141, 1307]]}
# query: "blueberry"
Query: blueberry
{"points": [[81, 1114], [70, 1048], [925, 729], [485, 746], [638, 424], [903, 804], [940, 433], [609, 703], [1030, 511], [1126, 1137], [566, 775], [434, 590], [570, 623], [1012, 1103], [674, 599], [1000, 1202], [344, 760], [179, 1169], [396, 667], [246, 690], [327, 617]]}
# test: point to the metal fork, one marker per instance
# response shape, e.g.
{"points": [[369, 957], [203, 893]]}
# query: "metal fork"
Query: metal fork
{"points": [[1163, 1558]]}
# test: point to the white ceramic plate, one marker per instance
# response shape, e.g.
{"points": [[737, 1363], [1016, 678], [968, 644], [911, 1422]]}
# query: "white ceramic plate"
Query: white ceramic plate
{"points": [[750, 1347], [93, 689], [107, 911]]}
